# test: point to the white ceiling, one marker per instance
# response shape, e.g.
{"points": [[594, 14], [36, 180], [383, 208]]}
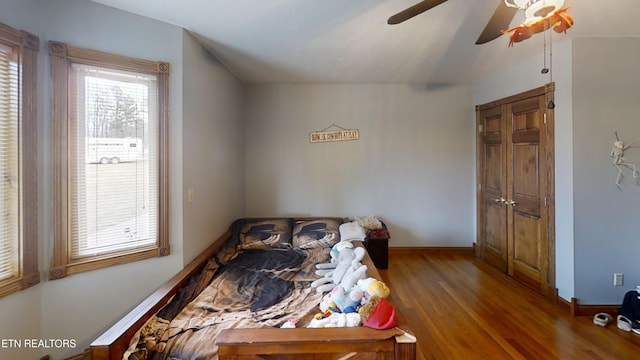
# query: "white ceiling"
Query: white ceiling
{"points": [[349, 41]]}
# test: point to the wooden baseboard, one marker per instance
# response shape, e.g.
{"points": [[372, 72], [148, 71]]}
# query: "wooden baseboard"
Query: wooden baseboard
{"points": [[590, 310], [424, 250], [564, 304]]}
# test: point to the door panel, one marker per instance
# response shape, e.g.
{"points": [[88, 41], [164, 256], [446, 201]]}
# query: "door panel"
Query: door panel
{"points": [[527, 259], [527, 243], [525, 161], [493, 224], [526, 178], [495, 228], [494, 162]]}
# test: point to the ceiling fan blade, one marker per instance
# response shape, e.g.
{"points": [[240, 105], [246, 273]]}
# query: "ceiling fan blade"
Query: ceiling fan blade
{"points": [[499, 21], [416, 9]]}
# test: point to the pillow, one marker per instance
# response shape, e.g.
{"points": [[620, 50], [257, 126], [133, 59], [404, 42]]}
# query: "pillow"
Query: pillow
{"points": [[266, 234], [313, 234]]}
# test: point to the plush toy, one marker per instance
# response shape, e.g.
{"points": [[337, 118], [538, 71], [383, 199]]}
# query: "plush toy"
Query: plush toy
{"points": [[331, 315], [378, 313], [327, 304], [372, 287], [289, 324], [346, 300], [336, 320], [324, 268], [354, 273], [347, 272]]}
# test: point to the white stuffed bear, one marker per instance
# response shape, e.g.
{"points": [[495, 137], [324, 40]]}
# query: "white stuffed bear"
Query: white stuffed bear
{"points": [[335, 257], [336, 320], [347, 272]]}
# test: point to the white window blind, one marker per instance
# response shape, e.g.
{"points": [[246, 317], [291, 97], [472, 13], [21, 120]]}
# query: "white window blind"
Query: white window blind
{"points": [[9, 159], [114, 162]]}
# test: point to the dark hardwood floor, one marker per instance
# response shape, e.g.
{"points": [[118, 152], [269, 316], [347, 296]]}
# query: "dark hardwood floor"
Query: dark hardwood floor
{"points": [[459, 307]]}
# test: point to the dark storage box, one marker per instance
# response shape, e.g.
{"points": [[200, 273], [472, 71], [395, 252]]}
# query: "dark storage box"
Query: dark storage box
{"points": [[377, 245]]}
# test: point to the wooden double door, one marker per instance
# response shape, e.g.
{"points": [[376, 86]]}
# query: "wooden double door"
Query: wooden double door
{"points": [[515, 187]]}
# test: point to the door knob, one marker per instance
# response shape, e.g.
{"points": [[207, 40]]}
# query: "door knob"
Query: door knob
{"points": [[510, 202], [499, 200]]}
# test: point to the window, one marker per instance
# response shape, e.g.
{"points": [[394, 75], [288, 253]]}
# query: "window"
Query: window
{"points": [[109, 159], [18, 176]]}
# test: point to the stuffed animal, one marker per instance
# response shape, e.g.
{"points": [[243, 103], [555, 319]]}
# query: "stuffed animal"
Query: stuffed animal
{"points": [[336, 320], [289, 324], [331, 315], [346, 300], [378, 313], [372, 287], [324, 268], [327, 304], [347, 272]]}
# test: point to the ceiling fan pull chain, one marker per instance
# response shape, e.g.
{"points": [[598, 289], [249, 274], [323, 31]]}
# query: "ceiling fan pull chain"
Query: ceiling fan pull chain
{"points": [[550, 57], [550, 103], [545, 69]]}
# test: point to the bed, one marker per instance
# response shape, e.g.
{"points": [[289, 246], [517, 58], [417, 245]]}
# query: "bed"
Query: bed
{"points": [[232, 301]]}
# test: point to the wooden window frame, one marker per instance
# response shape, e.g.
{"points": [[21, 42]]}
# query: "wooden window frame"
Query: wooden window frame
{"points": [[27, 46], [62, 57]]}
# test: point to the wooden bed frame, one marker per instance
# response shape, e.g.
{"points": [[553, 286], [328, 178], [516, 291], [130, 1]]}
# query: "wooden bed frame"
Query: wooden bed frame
{"points": [[273, 343]]}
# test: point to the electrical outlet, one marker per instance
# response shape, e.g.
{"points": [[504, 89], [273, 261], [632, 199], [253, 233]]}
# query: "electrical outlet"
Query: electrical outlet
{"points": [[618, 279]]}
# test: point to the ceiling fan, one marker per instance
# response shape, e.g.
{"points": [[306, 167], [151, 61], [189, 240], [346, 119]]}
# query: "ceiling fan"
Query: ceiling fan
{"points": [[499, 21]]}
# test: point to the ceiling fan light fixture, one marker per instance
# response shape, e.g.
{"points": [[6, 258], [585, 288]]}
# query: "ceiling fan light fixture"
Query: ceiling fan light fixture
{"points": [[540, 15], [534, 10], [543, 12]]}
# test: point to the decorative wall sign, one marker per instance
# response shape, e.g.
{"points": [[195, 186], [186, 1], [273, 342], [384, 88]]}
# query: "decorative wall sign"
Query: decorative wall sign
{"points": [[335, 135]]}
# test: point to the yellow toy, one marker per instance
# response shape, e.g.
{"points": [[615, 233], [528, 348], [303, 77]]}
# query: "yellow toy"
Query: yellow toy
{"points": [[373, 287]]}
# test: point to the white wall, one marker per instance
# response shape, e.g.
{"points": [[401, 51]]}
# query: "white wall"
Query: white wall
{"points": [[606, 82], [213, 150], [21, 315], [413, 165], [525, 76]]}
